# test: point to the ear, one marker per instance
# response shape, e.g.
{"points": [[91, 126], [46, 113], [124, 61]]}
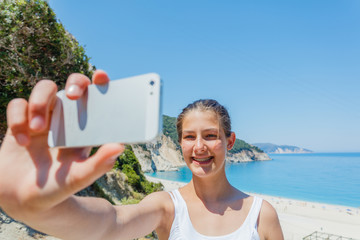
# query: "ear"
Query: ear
{"points": [[231, 141]]}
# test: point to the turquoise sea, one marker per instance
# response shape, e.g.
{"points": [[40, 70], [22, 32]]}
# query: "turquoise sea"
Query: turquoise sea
{"points": [[332, 178]]}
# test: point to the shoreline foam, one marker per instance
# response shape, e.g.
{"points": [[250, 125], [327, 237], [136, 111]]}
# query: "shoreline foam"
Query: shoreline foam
{"points": [[300, 218]]}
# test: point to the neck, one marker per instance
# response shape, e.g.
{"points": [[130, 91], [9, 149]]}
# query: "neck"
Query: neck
{"points": [[212, 188]]}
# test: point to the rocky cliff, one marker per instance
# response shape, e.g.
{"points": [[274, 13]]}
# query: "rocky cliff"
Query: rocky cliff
{"points": [[247, 156], [162, 154], [114, 185]]}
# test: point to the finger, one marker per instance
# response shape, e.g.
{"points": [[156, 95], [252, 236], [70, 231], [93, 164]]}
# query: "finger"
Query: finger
{"points": [[86, 172], [76, 84], [100, 77], [41, 101], [17, 120]]}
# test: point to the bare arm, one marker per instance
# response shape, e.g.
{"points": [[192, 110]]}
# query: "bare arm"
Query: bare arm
{"points": [[96, 218], [76, 218], [37, 183], [139, 220], [269, 226]]}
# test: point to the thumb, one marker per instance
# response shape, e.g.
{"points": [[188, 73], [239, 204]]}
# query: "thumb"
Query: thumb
{"points": [[103, 160], [95, 166]]}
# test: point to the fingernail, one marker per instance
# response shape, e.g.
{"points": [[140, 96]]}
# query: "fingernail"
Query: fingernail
{"points": [[74, 90], [22, 139], [37, 123]]}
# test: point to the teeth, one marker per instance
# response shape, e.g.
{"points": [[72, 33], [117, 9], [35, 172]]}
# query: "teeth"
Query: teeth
{"points": [[202, 159]]}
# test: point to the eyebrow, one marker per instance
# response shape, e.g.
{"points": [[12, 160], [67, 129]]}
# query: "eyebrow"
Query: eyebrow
{"points": [[205, 130]]}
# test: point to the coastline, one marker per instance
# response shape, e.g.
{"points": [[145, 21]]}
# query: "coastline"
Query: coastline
{"points": [[299, 218]]}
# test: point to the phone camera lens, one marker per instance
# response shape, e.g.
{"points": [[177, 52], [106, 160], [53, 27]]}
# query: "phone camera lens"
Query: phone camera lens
{"points": [[152, 83]]}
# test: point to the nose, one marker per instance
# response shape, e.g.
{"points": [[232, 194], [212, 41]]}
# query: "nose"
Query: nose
{"points": [[199, 146]]}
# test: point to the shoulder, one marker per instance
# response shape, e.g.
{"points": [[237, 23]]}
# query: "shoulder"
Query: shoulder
{"points": [[155, 204], [162, 200], [166, 206], [146, 216], [267, 212], [268, 222]]}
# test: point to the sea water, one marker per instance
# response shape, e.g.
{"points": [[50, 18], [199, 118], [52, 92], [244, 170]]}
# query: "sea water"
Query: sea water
{"points": [[332, 178]]}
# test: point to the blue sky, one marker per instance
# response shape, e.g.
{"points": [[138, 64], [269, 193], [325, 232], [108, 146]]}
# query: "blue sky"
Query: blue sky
{"points": [[288, 71]]}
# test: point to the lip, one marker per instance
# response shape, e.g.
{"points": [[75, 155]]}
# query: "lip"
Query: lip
{"points": [[202, 160]]}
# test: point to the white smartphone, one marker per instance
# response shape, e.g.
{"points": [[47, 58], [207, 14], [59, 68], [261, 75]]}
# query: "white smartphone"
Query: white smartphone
{"points": [[126, 111]]}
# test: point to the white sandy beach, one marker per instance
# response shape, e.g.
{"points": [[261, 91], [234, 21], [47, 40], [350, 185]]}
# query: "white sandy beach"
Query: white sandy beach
{"points": [[299, 218]]}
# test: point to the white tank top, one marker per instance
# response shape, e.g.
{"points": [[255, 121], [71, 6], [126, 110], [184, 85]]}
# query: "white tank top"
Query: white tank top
{"points": [[182, 228]]}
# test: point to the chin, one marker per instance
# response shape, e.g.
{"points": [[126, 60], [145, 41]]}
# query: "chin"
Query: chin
{"points": [[202, 171]]}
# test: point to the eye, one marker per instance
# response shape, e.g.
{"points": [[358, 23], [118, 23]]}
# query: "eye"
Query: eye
{"points": [[211, 136], [189, 137]]}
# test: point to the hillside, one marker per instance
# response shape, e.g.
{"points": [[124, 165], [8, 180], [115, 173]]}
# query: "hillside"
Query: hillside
{"points": [[273, 148]]}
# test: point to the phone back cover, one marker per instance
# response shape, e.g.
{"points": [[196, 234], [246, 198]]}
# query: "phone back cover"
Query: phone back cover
{"points": [[125, 110]]}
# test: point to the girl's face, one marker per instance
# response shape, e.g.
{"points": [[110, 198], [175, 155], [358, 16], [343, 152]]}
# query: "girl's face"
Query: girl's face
{"points": [[204, 143]]}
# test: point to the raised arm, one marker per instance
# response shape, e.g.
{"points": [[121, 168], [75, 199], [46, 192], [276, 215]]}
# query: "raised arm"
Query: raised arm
{"points": [[96, 218], [37, 183]]}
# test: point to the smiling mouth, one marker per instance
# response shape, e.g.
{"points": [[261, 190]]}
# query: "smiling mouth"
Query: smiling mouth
{"points": [[202, 160]]}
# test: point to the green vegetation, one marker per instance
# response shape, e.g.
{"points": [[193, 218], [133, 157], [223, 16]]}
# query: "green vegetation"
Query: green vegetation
{"points": [[242, 145], [129, 164], [135, 198], [34, 45], [100, 192], [129, 201], [169, 129]]}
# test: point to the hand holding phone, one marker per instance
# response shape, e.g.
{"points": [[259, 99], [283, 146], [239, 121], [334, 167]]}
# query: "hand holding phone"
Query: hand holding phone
{"points": [[126, 110], [36, 181]]}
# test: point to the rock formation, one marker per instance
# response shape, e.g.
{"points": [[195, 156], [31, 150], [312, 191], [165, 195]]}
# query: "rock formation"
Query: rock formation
{"points": [[247, 156], [162, 154]]}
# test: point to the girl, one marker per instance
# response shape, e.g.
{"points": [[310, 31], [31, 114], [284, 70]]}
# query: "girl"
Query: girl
{"points": [[37, 183]]}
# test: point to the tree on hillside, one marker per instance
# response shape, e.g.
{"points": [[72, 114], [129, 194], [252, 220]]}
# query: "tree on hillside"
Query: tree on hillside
{"points": [[169, 129], [34, 45], [241, 145], [129, 164]]}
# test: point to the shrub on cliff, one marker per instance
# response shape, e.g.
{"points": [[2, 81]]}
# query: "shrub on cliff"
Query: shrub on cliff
{"points": [[169, 129], [242, 145], [129, 164], [34, 45]]}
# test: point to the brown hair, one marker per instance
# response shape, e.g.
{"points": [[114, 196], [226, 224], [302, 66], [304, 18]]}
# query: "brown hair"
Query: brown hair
{"points": [[206, 105]]}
